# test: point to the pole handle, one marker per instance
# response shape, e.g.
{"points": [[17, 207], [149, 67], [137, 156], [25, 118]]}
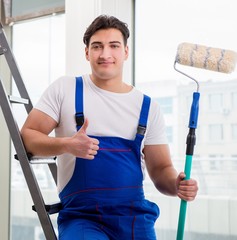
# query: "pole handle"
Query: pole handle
{"points": [[183, 203], [193, 119]]}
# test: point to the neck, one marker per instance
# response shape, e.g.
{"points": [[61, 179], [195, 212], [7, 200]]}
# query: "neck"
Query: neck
{"points": [[112, 85]]}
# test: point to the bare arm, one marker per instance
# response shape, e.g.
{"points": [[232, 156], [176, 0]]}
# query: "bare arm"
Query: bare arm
{"points": [[160, 168], [35, 133], [164, 176]]}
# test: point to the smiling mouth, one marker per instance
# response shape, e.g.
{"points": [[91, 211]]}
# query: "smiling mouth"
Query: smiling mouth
{"points": [[105, 63]]}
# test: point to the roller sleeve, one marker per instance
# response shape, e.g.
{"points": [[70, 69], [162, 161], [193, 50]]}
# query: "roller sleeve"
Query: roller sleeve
{"points": [[200, 56]]}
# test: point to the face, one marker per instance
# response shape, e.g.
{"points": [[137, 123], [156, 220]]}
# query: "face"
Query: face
{"points": [[106, 53]]}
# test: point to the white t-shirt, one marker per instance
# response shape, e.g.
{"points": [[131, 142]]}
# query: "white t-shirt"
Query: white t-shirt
{"points": [[109, 114]]}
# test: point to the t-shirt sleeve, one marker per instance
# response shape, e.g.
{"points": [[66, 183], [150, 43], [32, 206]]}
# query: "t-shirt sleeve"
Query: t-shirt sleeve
{"points": [[156, 130], [51, 99]]}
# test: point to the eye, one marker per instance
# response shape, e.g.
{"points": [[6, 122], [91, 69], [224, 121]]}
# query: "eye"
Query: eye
{"points": [[115, 46], [96, 46]]}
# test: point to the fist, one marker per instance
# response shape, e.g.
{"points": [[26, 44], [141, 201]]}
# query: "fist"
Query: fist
{"points": [[186, 189]]}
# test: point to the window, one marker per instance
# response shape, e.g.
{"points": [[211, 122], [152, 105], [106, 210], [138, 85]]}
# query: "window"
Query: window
{"points": [[234, 160], [166, 104], [215, 102], [160, 27], [215, 133], [15, 11], [215, 163], [234, 131], [169, 133], [38, 46], [234, 100]]}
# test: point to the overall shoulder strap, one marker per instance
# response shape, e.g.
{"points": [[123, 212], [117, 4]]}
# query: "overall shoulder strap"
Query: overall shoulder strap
{"points": [[141, 129], [79, 115]]}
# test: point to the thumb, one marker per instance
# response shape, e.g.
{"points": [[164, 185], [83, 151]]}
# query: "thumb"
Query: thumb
{"points": [[182, 176], [179, 178], [84, 126]]}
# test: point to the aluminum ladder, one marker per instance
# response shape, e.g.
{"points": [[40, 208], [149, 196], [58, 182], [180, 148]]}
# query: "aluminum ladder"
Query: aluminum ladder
{"points": [[26, 160]]}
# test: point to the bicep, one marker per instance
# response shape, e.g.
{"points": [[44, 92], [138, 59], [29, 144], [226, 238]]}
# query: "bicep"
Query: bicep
{"points": [[39, 121], [157, 157]]}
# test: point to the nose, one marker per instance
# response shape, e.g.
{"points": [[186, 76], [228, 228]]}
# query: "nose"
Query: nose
{"points": [[105, 52]]}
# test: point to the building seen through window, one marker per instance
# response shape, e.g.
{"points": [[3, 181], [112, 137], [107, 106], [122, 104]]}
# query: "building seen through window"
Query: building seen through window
{"points": [[214, 162]]}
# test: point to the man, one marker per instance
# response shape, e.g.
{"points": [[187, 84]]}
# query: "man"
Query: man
{"points": [[106, 133]]}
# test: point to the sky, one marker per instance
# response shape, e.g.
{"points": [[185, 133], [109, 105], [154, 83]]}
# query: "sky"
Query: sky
{"points": [[162, 25]]}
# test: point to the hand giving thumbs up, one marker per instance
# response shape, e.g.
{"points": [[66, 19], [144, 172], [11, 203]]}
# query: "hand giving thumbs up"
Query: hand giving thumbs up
{"points": [[81, 145]]}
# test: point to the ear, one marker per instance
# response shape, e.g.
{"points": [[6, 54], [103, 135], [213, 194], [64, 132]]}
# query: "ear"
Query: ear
{"points": [[126, 52], [87, 53]]}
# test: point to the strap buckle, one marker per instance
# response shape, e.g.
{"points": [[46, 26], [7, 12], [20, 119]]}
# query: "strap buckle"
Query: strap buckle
{"points": [[141, 130], [79, 117]]}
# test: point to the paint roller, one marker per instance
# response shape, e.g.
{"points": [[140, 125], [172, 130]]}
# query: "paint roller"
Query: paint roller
{"points": [[199, 56]]}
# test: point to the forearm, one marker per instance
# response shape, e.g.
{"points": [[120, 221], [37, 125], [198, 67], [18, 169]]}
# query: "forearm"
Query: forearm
{"points": [[40, 144], [165, 181]]}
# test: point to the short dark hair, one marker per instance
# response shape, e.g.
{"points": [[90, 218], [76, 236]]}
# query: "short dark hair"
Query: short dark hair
{"points": [[106, 22]]}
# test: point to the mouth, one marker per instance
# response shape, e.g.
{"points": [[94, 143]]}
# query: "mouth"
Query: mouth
{"points": [[105, 63]]}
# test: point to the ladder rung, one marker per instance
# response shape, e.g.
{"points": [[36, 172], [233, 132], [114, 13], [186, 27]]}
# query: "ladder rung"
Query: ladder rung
{"points": [[14, 99], [39, 159], [51, 208], [29, 155], [2, 50], [43, 161]]}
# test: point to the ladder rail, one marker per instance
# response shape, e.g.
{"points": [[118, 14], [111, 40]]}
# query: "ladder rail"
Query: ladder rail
{"points": [[26, 167], [9, 56], [14, 69], [13, 128], [53, 170]]}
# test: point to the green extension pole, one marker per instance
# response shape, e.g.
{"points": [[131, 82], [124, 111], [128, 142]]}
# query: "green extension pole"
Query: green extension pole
{"points": [[191, 140], [183, 203]]}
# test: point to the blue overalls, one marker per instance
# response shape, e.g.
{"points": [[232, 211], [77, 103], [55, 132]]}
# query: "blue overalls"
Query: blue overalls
{"points": [[104, 199]]}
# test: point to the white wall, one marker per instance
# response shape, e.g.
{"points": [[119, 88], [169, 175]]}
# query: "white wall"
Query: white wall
{"points": [[79, 15], [4, 155]]}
